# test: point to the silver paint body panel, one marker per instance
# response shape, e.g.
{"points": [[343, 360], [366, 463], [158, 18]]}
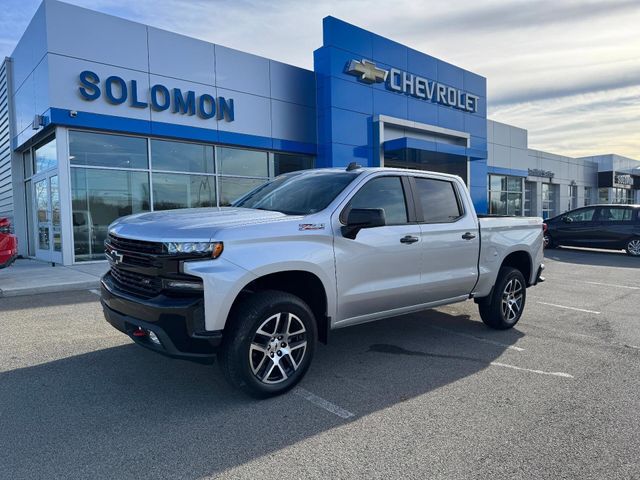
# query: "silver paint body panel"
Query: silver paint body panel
{"points": [[371, 277]]}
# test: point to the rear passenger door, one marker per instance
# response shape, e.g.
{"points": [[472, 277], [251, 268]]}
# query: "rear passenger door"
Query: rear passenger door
{"points": [[615, 226], [450, 239]]}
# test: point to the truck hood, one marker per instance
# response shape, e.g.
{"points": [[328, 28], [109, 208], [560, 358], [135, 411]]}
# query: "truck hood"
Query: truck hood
{"points": [[192, 224]]}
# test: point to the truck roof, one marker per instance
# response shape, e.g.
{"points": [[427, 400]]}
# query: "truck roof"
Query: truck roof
{"points": [[378, 169]]}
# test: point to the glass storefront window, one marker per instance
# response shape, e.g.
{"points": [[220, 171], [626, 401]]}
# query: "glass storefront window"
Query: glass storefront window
{"points": [[505, 195], [55, 213], [45, 156], [587, 196], [181, 157], [101, 150], [548, 200], [603, 195], [98, 198], [232, 188], [179, 175], [530, 205], [246, 163], [285, 163], [172, 190]]}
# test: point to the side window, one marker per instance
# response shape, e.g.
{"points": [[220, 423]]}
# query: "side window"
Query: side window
{"points": [[385, 193], [438, 199], [612, 214], [584, 215]]}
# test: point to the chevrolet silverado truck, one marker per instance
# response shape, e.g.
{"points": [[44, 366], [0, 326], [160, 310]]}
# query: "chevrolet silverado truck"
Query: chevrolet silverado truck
{"points": [[259, 283]]}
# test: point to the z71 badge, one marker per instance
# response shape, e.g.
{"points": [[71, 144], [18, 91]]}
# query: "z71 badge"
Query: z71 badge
{"points": [[311, 226]]}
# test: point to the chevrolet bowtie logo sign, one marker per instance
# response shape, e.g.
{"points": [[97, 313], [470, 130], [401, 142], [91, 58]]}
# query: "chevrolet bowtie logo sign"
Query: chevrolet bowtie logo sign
{"points": [[415, 86], [367, 71]]}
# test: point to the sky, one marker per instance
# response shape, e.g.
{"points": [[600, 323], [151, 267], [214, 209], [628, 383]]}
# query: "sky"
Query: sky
{"points": [[568, 71]]}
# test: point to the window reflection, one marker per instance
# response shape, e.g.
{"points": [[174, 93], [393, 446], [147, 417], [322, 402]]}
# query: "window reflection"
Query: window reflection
{"points": [[248, 163], [99, 150], [232, 188], [181, 157], [100, 197], [46, 156], [183, 191]]}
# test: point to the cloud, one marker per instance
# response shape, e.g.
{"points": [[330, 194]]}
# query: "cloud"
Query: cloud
{"points": [[566, 70]]}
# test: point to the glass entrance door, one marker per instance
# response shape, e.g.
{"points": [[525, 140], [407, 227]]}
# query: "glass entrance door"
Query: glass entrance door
{"points": [[48, 232]]}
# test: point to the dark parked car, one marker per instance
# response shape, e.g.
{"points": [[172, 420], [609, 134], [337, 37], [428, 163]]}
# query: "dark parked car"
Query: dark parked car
{"points": [[614, 227]]}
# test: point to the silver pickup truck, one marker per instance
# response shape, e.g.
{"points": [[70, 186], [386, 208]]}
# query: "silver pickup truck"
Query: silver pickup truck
{"points": [[259, 283]]}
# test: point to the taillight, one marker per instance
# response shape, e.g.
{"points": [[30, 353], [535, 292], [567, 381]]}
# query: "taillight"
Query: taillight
{"points": [[544, 228]]}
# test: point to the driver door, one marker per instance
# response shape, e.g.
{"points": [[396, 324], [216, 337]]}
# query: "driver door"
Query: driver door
{"points": [[379, 270], [578, 227]]}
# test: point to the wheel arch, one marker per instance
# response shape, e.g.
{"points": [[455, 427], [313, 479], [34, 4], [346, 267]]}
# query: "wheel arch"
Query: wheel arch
{"points": [[520, 260], [303, 284]]}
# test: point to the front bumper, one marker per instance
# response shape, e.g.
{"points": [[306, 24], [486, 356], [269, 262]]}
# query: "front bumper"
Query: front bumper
{"points": [[177, 322]]}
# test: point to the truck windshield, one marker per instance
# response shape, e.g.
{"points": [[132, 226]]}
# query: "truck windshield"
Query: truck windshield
{"points": [[297, 193]]}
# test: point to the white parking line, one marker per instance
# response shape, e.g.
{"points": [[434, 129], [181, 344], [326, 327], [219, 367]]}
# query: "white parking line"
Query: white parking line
{"points": [[480, 339], [570, 308], [540, 372], [613, 285], [322, 403]]}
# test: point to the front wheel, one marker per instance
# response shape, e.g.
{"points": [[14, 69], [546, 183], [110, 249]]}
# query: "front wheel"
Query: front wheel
{"points": [[633, 247], [269, 343], [548, 242], [506, 304]]}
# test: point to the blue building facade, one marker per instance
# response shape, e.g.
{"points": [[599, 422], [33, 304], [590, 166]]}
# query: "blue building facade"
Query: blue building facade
{"points": [[419, 112]]}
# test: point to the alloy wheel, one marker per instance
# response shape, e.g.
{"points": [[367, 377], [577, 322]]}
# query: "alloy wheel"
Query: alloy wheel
{"points": [[512, 297], [278, 348], [634, 247]]}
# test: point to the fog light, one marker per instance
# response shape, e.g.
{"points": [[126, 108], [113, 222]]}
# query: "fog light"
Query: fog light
{"points": [[154, 338], [182, 284]]}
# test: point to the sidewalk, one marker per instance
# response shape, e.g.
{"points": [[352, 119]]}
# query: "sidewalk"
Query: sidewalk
{"points": [[28, 277]]}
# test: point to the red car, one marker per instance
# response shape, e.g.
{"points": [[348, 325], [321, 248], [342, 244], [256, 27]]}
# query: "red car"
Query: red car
{"points": [[8, 244]]}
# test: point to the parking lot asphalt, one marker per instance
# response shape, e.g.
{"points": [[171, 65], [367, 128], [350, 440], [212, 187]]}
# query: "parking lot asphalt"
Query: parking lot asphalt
{"points": [[429, 395]]}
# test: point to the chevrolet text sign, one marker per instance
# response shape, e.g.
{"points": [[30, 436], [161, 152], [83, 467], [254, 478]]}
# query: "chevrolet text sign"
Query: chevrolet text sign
{"points": [[413, 85]]}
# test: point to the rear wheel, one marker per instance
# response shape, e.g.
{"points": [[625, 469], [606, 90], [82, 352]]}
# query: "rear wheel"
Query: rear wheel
{"points": [[506, 304], [633, 247], [269, 344]]}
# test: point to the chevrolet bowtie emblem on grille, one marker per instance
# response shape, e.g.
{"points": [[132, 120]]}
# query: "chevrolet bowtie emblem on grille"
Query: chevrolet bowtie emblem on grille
{"points": [[367, 71], [115, 257]]}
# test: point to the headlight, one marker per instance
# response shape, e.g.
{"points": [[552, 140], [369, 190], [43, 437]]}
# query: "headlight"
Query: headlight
{"points": [[198, 248]]}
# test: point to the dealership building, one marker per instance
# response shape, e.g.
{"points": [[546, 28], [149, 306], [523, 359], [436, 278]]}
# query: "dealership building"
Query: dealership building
{"points": [[102, 117]]}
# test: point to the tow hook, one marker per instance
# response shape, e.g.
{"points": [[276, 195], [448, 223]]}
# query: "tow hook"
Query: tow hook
{"points": [[139, 332]]}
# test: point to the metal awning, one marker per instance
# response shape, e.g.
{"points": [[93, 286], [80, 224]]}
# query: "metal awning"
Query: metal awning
{"points": [[410, 143]]}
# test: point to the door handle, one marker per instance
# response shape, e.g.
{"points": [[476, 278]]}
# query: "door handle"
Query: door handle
{"points": [[409, 239], [468, 236]]}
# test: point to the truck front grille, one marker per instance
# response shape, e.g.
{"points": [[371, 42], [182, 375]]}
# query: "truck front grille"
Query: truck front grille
{"points": [[136, 283], [134, 246]]}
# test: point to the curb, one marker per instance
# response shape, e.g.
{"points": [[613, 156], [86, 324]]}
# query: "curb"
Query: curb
{"points": [[67, 287]]}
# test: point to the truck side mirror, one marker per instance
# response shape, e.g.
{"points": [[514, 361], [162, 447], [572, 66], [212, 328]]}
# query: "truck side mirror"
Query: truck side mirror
{"points": [[360, 218]]}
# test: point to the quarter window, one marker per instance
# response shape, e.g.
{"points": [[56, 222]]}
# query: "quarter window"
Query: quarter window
{"points": [[438, 200], [615, 214], [385, 193]]}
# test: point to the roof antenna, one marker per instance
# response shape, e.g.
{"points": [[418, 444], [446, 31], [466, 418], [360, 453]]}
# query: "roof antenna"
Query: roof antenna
{"points": [[353, 166]]}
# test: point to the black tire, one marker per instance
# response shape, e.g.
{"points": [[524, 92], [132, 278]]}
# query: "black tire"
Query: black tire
{"points": [[633, 247], [493, 311], [549, 242], [239, 354]]}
